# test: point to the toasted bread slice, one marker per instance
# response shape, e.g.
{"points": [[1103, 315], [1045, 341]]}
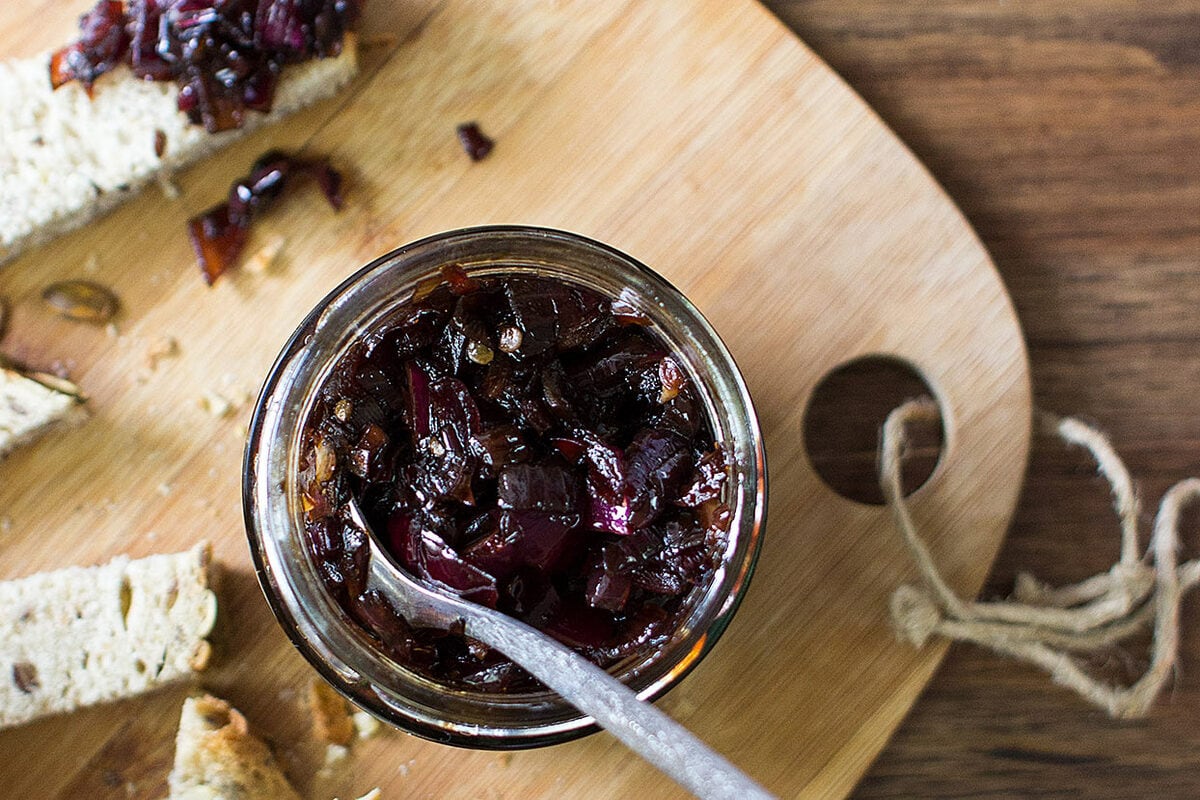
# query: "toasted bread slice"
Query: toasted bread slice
{"points": [[217, 758], [85, 635], [30, 405], [66, 158]]}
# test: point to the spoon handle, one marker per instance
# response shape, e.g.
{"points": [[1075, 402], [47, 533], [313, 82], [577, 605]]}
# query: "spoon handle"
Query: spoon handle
{"points": [[639, 725]]}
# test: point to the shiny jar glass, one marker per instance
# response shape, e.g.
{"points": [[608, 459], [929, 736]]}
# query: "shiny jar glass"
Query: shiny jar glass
{"points": [[335, 644]]}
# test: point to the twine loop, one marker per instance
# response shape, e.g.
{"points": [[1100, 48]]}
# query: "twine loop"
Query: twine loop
{"points": [[1045, 625]]}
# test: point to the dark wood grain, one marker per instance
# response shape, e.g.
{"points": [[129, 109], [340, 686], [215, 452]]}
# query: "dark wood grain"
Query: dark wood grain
{"points": [[1069, 133]]}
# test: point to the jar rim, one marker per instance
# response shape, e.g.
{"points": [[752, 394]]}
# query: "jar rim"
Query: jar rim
{"points": [[343, 656]]}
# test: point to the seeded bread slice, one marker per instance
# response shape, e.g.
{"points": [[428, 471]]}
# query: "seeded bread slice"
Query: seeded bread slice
{"points": [[85, 635], [217, 758], [65, 158], [29, 407]]}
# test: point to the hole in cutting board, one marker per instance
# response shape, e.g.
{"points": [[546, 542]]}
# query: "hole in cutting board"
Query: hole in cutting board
{"points": [[843, 420]]}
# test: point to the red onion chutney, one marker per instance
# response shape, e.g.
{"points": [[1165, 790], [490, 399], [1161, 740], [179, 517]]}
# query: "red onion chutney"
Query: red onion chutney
{"points": [[529, 445], [224, 55]]}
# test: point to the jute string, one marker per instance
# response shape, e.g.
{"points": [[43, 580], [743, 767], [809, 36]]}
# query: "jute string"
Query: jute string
{"points": [[1049, 626]]}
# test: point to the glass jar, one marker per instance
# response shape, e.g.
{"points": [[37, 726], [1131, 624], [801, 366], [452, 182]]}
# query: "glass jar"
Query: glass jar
{"points": [[334, 643]]}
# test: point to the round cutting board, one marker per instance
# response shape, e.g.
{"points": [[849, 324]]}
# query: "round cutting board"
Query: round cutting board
{"points": [[701, 137]]}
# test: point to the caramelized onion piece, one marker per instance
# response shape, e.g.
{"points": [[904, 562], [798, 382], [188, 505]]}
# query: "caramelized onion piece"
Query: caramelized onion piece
{"points": [[475, 143], [103, 44], [219, 234]]}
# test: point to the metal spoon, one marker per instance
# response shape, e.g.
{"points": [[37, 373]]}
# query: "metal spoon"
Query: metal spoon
{"points": [[640, 726]]}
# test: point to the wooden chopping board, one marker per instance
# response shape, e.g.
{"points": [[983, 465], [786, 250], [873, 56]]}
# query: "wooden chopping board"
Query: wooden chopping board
{"points": [[699, 136]]}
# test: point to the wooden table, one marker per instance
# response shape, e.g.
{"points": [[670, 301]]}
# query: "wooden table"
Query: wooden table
{"points": [[1069, 133]]}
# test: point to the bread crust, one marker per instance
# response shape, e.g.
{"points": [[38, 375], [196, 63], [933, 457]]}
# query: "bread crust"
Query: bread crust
{"points": [[216, 756]]}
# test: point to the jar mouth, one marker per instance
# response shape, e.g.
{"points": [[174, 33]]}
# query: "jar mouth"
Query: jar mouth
{"points": [[341, 651]]}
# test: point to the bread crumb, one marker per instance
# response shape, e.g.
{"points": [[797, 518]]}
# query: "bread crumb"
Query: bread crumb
{"points": [[168, 186], [216, 405], [112, 331], [331, 714], [91, 265], [5, 524], [163, 347], [164, 489], [264, 258], [374, 794], [365, 725], [335, 757], [506, 759]]}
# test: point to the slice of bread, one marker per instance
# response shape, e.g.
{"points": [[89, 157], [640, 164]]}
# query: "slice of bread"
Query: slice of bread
{"points": [[85, 635], [65, 158], [32, 405], [217, 758]]}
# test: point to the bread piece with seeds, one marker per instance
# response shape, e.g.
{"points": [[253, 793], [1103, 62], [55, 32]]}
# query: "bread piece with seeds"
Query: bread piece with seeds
{"points": [[31, 404], [66, 158], [85, 635]]}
